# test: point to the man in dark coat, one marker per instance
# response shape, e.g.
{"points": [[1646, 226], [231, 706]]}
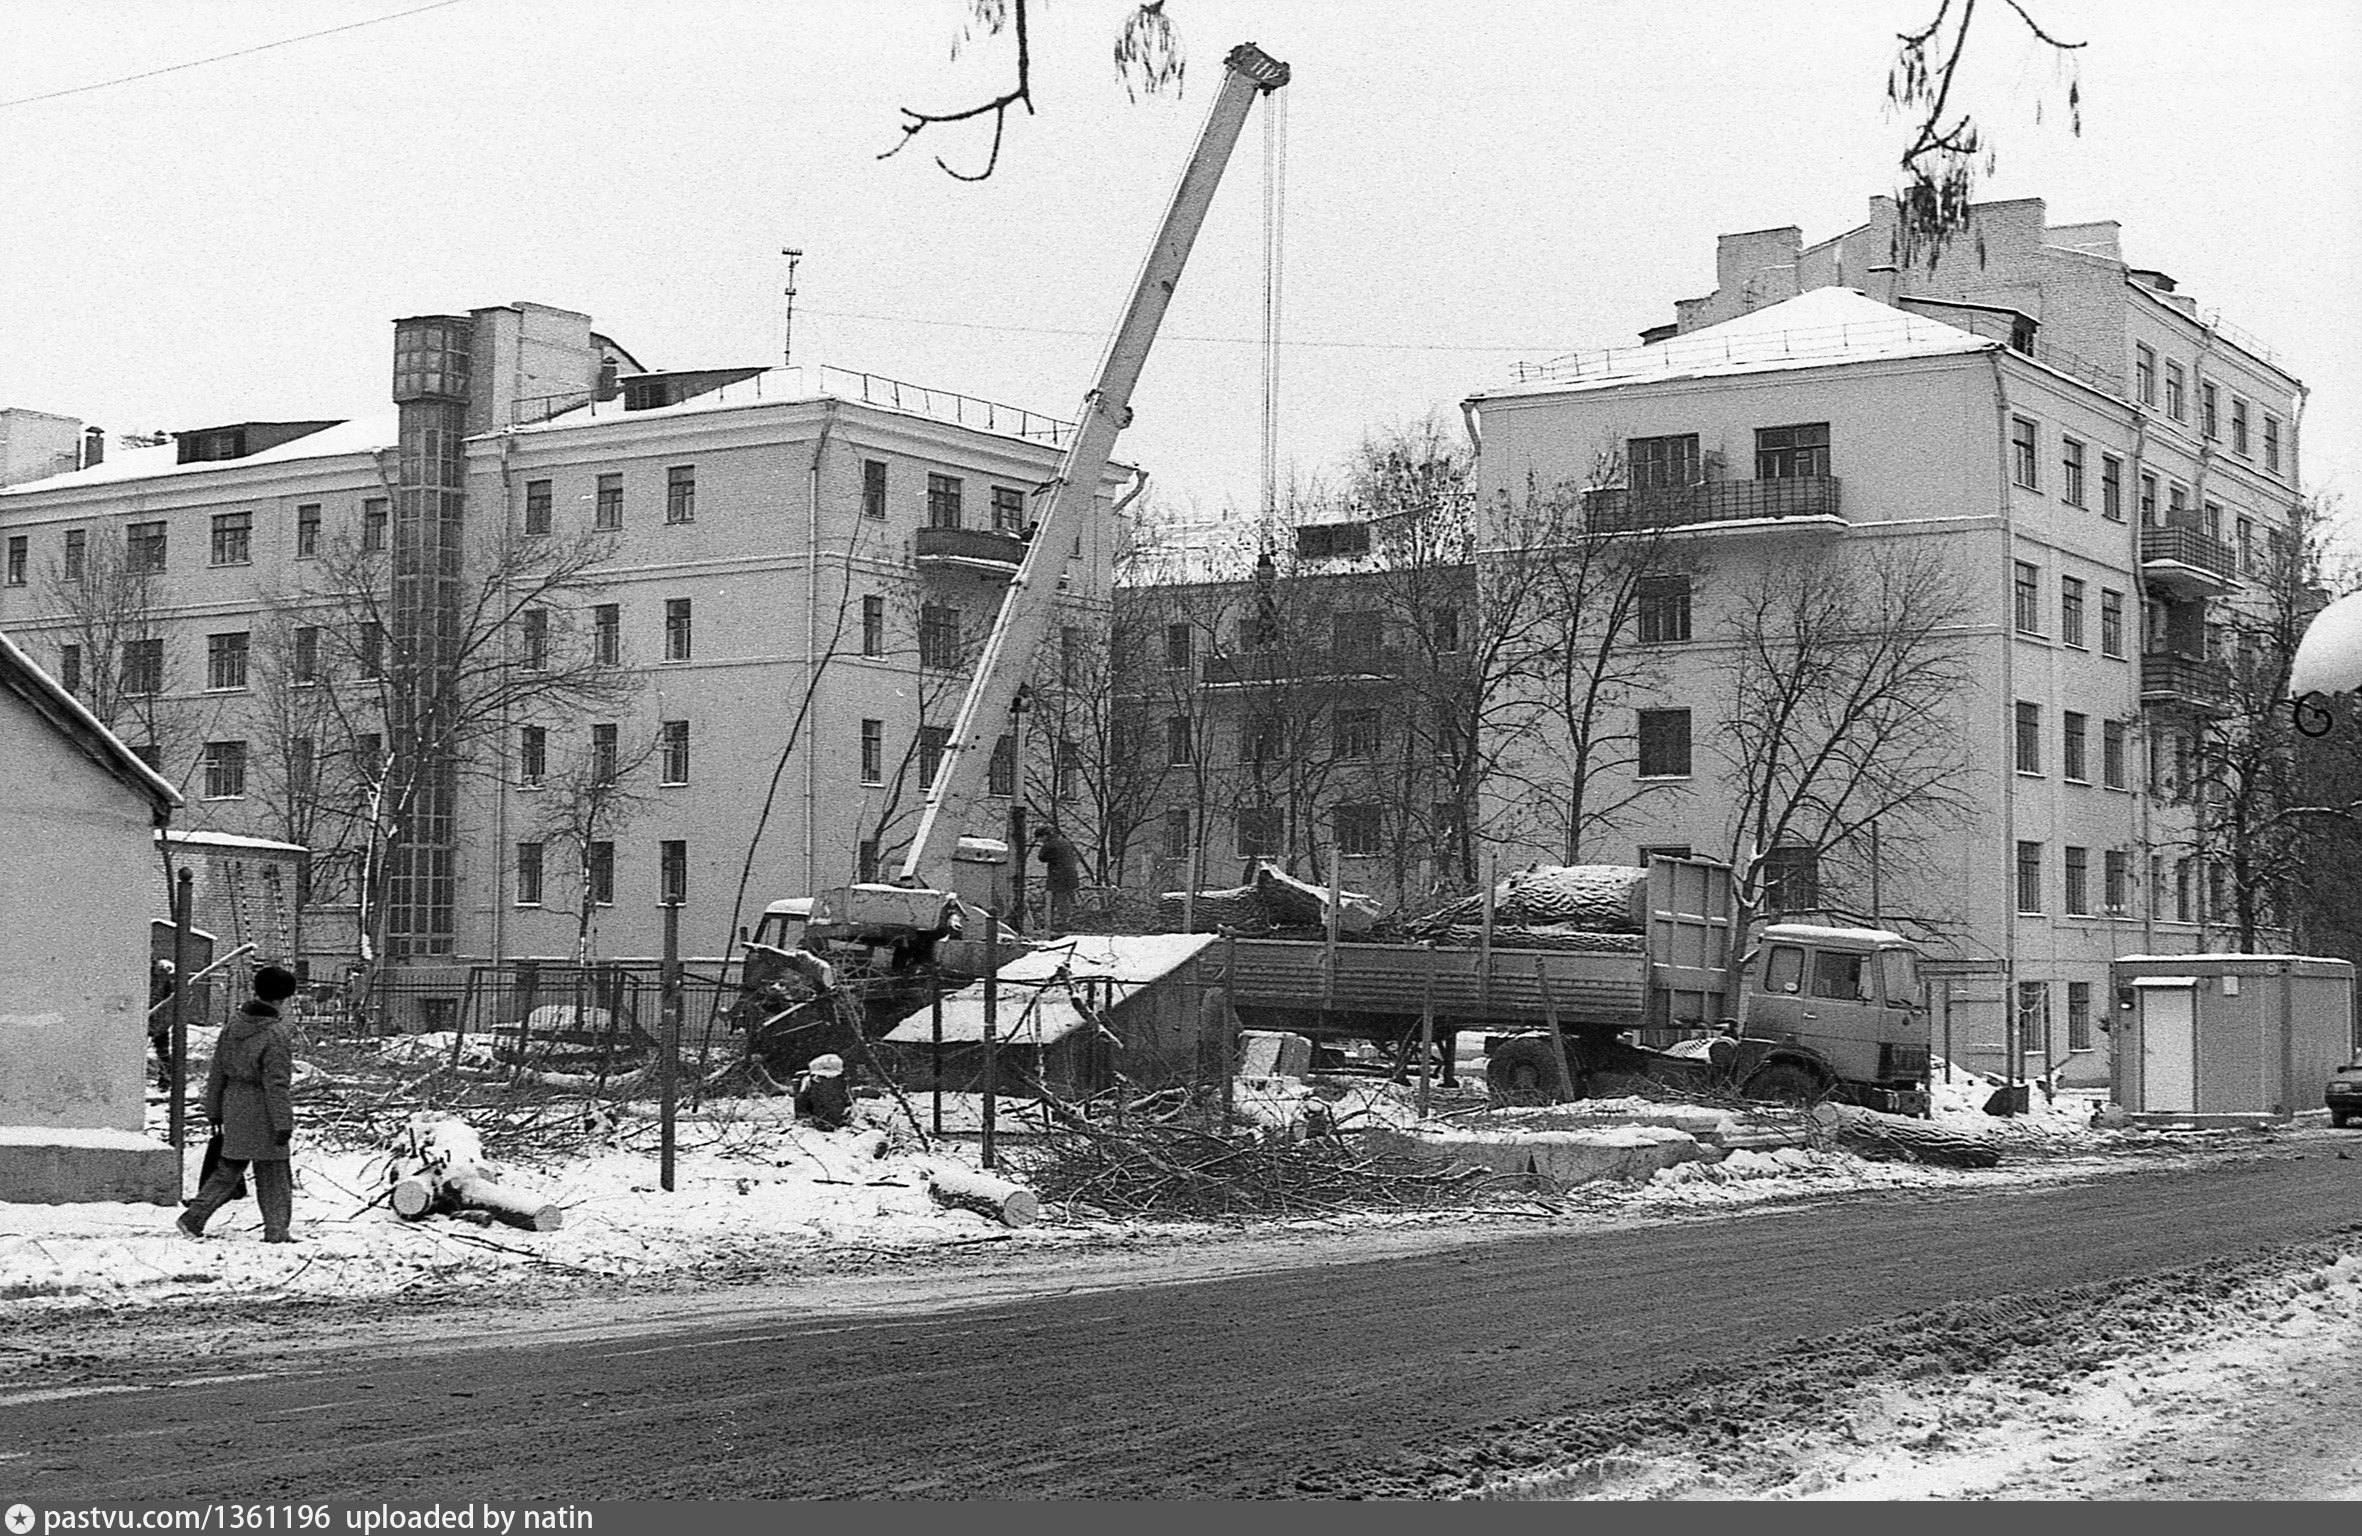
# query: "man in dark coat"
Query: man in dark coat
{"points": [[246, 1098], [822, 1097], [1063, 864]]}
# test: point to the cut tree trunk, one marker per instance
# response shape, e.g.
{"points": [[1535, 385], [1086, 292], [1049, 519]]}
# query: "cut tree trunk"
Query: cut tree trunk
{"points": [[1875, 1135], [422, 1194], [1012, 1205]]}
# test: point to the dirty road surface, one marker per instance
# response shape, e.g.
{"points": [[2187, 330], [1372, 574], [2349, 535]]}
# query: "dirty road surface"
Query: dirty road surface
{"points": [[1335, 1376]]}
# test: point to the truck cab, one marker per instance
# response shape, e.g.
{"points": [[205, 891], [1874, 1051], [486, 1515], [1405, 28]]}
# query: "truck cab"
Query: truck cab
{"points": [[1849, 997]]}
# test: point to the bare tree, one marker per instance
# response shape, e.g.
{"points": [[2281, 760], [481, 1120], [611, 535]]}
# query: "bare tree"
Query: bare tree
{"points": [[2262, 811], [593, 796], [518, 645], [110, 606], [1839, 733]]}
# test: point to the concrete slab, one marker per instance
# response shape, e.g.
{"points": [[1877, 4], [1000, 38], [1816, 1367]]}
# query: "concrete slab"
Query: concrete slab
{"points": [[56, 1165], [1629, 1153]]}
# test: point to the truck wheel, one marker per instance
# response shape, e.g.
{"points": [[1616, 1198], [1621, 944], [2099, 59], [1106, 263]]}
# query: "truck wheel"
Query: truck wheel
{"points": [[2338, 1118], [1785, 1082], [1524, 1071]]}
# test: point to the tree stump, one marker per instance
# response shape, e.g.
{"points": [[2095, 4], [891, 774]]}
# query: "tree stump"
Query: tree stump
{"points": [[1893, 1137], [1012, 1205]]}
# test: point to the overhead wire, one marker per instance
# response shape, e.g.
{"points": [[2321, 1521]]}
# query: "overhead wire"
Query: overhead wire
{"points": [[1236, 341]]}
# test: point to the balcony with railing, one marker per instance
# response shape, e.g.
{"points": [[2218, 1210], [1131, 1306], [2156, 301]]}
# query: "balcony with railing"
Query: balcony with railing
{"points": [[2187, 562], [983, 549], [2184, 681], [1809, 499], [1266, 669]]}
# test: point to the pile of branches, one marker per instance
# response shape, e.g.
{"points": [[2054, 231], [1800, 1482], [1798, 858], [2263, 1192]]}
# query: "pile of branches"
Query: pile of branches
{"points": [[1179, 1173]]}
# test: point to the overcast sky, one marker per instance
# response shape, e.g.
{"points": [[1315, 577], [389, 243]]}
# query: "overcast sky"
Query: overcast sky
{"points": [[1467, 185]]}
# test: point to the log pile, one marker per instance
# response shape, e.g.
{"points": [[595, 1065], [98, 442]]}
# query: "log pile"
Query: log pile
{"points": [[1010, 1204], [1176, 1173], [1897, 1138], [1591, 898], [440, 1168]]}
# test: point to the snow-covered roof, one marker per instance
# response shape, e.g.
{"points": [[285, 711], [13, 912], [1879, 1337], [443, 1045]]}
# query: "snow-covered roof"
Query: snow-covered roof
{"points": [[230, 840], [1817, 933], [1035, 1005], [2216, 957], [22, 676], [1816, 329], [366, 434]]}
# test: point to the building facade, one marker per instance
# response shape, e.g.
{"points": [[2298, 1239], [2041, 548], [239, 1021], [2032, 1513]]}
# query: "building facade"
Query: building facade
{"points": [[557, 639]]}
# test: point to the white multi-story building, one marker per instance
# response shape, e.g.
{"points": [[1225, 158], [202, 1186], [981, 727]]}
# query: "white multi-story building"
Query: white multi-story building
{"points": [[2098, 463], [793, 567]]}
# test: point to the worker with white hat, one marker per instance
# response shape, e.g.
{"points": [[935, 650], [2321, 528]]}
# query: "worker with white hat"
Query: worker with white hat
{"points": [[822, 1097]]}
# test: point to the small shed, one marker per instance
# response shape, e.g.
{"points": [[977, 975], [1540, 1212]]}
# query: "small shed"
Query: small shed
{"points": [[1071, 1015], [2229, 1034]]}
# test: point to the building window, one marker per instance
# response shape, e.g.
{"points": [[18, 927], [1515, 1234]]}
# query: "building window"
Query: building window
{"points": [[1258, 742], [2111, 488], [225, 770], [1067, 775], [674, 734], [2111, 623], [77, 549], [2078, 1015], [873, 488], [1357, 829], [943, 501], [1177, 647], [2148, 501], [603, 754], [16, 559], [865, 859], [2181, 891], [69, 668], [2247, 545], [680, 494], [939, 637], [2079, 882], [373, 521], [1791, 880], [1792, 453], [676, 629], [143, 666], [225, 660], [2028, 590], [1258, 831], [2029, 737], [2071, 472], [1177, 834], [607, 510], [2208, 417], [598, 872], [2144, 374], [2033, 1016], [1357, 638], [2272, 444], [528, 874], [1180, 742], [2177, 404], [370, 638], [2213, 521], [873, 625], [232, 539], [672, 871], [532, 755], [1446, 629], [1663, 604], [1354, 735], [1008, 509], [2239, 426], [1000, 775], [2071, 611], [932, 740], [2116, 881], [606, 634], [2112, 754], [537, 506], [873, 751], [2218, 905], [2029, 877], [2074, 761], [2177, 506], [1664, 744], [143, 548], [1661, 463], [2022, 465], [1071, 658], [535, 625]]}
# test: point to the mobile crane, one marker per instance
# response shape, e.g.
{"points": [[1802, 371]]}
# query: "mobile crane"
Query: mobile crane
{"points": [[909, 912]]}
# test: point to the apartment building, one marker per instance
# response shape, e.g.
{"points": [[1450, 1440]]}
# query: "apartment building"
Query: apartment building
{"points": [[776, 580], [2104, 468]]}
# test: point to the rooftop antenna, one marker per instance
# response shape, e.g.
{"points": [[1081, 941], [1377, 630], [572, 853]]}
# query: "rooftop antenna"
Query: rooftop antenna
{"points": [[787, 348]]}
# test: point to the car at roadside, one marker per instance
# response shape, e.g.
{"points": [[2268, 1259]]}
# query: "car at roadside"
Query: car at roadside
{"points": [[2344, 1094]]}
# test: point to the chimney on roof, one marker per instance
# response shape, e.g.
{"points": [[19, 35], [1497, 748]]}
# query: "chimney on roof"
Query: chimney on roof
{"points": [[94, 445]]}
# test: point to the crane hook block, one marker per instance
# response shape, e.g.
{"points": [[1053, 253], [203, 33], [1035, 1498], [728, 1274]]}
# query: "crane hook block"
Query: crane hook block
{"points": [[1268, 73]]}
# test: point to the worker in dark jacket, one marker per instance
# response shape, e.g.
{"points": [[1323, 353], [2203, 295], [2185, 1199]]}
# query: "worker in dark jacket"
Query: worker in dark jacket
{"points": [[246, 1098], [1062, 863], [822, 1097]]}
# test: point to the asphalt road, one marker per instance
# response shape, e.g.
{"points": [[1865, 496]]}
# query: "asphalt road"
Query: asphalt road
{"points": [[1235, 1387]]}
